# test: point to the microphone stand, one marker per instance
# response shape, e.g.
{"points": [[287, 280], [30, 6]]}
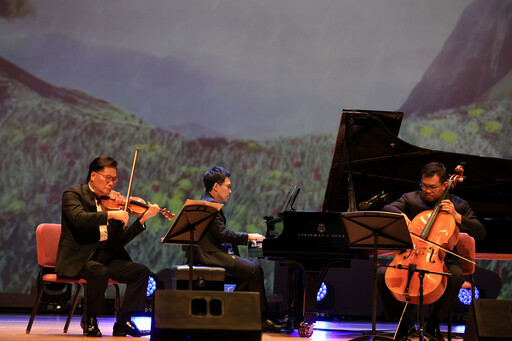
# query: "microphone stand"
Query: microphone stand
{"points": [[364, 205]]}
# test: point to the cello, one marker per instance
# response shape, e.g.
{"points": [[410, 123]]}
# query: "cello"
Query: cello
{"points": [[434, 233]]}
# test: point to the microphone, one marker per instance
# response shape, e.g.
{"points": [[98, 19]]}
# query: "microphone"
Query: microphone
{"points": [[364, 205]]}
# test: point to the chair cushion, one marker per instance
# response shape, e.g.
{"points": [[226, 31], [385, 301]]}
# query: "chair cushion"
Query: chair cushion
{"points": [[466, 248], [63, 279]]}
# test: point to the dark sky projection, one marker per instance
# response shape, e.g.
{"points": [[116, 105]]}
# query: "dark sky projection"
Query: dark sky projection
{"points": [[239, 69]]}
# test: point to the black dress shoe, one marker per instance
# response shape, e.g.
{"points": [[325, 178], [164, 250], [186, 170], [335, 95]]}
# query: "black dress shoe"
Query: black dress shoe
{"points": [[92, 326], [433, 332], [270, 325], [406, 329], [128, 328]]}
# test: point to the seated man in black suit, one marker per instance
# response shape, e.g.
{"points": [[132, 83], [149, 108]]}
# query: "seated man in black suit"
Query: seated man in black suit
{"points": [[434, 181], [92, 247], [214, 248]]}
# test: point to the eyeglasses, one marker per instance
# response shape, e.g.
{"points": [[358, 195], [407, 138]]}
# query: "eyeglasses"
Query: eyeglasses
{"points": [[109, 178], [429, 187]]}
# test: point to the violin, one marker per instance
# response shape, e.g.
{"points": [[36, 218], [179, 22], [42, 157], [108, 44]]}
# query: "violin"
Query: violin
{"points": [[434, 233], [136, 206]]}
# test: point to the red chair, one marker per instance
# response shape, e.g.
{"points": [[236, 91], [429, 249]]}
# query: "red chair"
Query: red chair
{"points": [[47, 237], [465, 248]]}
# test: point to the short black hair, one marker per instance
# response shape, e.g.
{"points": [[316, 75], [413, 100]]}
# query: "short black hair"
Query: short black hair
{"points": [[433, 168], [100, 163], [216, 175]]}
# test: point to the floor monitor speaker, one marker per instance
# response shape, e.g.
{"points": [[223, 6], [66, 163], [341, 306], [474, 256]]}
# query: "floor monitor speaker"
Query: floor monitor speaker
{"points": [[489, 320], [206, 315]]}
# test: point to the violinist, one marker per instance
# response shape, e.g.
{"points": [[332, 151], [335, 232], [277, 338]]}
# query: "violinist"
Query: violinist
{"points": [[432, 185], [92, 247]]}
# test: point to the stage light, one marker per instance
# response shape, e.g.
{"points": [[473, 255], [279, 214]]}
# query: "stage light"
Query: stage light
{"points": [[465, 295], [151, 286], [322, 292], [142, 322], [488, 285], [154, 283]]}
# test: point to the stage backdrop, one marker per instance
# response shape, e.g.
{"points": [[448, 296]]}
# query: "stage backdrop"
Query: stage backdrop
{"points": [[255, 86]]}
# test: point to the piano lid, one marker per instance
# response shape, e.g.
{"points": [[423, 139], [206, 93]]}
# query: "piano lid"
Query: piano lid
{"points": [[380, 161]]}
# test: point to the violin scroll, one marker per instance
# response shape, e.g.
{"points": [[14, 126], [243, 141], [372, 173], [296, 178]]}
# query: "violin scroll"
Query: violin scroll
{"points": [[169, 215]]}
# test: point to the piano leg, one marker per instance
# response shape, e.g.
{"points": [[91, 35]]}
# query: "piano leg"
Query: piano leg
{"points": [[306, 275], [309, 313], [295, 292]]}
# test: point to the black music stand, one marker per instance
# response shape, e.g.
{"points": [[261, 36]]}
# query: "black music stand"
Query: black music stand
{"points": [[375, 230], [190, 227]]}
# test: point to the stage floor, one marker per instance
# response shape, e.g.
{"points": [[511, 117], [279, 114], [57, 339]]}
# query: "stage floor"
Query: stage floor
{"points": [[49, 328]]}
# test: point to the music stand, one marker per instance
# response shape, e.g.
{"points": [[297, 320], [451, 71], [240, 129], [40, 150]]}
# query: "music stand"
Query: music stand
{"points": [[190, 227], [374, 230]]}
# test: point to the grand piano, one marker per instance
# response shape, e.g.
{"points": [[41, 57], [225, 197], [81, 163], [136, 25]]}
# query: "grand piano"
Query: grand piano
{"points": [[371, 162]]}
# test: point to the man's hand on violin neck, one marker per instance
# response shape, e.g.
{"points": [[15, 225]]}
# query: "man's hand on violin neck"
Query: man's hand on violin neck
{"points": [[150, 212], [120, 215]]}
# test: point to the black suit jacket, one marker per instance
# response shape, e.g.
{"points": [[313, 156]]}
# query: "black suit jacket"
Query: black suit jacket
{"points": [[211, 249], [80, 234]]}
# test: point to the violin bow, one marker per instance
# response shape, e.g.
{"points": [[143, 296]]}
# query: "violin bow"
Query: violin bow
{"points": [[442, 248], [131, 180]]}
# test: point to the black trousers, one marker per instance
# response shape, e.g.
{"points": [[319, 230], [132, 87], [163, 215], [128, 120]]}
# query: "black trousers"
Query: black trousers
{"points": [[440, 309], [102, 266], [249, 277]]}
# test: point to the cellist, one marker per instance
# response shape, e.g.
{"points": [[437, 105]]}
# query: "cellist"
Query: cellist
{"points": [[434, 180]]}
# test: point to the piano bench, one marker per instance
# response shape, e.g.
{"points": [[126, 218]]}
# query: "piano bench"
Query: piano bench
{"points": [[203, 278]]}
